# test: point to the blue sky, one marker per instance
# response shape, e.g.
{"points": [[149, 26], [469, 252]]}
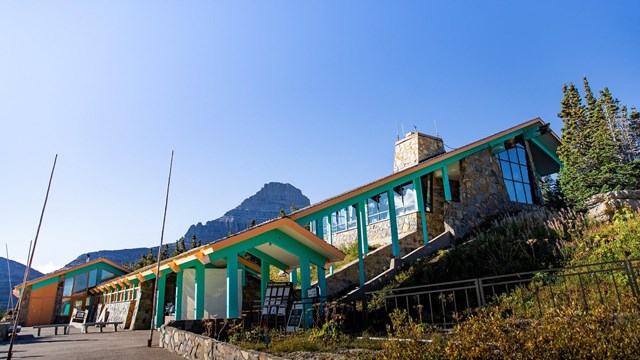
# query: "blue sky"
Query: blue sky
{"points": [[309, 93]]}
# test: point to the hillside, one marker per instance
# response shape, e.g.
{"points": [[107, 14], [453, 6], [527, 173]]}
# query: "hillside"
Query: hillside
{"points": [[17, 273], [262, 206]]}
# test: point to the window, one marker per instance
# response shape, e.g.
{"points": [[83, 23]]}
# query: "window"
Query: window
{"points": [[68, 287], [378, 208], [65, 306], [80, 283], [93, 278], [427, 191], [339, 220], [513, 163], [405, 199], [352, 219], [105, 275]]}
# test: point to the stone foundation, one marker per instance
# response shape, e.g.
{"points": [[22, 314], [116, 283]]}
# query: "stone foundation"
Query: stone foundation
{"points": [[193, 346], [118, 311], [143, 307]]}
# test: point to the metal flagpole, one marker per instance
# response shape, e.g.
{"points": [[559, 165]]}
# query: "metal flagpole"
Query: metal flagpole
{"points": [[10, 302], [154, 307], [16, 316]]}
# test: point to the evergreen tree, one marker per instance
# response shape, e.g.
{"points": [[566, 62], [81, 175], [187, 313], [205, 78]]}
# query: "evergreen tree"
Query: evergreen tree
{"points": [[282, 214], [176, 250], [165, 252], [252, 223], [293, 207], [194, 242], [181, 248]]}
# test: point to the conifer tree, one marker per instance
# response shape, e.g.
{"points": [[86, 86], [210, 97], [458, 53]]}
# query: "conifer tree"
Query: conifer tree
{"points": [[252, 223], [194, 242], [182, 248], [282, 214]]}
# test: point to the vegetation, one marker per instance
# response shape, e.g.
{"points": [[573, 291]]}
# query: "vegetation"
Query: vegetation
{"points": [[600, 145]]}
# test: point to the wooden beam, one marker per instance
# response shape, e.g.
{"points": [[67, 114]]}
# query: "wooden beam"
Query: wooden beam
{"points": [[127, 281], [140, 277], [249, 264], [203, 258], [175, 267]]}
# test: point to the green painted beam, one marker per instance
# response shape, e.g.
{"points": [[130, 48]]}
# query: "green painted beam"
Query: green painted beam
{"points": [[232, 287], [322, 285], [305, 283], [550, 153], [271, 260], [393, 224], [361, 216], [162, 282], [320, 228], [361, 274], [200, 281], [178, 300], [264, 279], [417, 185], [329, 227], [445, 183], [293, 277], [44, 283]]}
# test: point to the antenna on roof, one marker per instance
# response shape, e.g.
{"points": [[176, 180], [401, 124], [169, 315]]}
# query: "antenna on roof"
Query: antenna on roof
{"points": [[415, 128], [397, 131], [435, 123]]}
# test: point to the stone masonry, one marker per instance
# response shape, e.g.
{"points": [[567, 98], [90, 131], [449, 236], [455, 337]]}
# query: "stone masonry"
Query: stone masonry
{"points": [[414, 148], [604, 206]]}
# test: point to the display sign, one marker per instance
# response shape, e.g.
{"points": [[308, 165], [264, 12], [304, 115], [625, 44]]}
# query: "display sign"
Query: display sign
{"points": [[312, 292], [276, 299], [295, 316]]}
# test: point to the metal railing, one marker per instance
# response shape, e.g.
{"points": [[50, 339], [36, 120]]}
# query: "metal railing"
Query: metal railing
{"points": [[446, 303]]}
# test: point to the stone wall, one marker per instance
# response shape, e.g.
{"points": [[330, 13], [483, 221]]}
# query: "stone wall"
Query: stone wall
{"points": [[378, 233], [482, 194], [141, 319], [193, 346], [435, 218], [414, 148], [118, 311], [604, 206], [25, 305]]}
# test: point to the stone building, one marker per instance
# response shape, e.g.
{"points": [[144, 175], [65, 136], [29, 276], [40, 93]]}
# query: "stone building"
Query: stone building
{"points": [[431, 193]]}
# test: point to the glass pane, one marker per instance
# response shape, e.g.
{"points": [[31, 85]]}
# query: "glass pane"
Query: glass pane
{"points": [[520, 192], [513, 155], [506, 170], [105, 275], [510, 190], [525, 173], [65, 306], [384, 202], [503, 155], [93, 278], [409, 198], [527, 192], [68, 287], [81, 283], [397, 199], [522, 156], [515, 171]]}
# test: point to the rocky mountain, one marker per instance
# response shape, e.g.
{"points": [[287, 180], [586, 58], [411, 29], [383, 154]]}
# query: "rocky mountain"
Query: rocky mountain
{"points": [[262, 206], [17, 273]]}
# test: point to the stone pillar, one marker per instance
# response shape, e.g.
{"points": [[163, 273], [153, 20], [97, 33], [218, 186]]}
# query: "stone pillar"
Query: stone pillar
{"points": [[416, 147]]}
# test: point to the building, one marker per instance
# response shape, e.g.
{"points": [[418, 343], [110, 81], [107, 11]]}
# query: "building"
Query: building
{"points": [[50, 299], [431, 195]]}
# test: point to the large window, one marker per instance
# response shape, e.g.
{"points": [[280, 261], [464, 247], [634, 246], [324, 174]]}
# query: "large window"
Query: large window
{"points": [[344, 219], [378, 208], [515, 172], [405, 199]]}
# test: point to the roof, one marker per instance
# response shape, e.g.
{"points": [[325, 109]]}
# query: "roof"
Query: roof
{"points": [[74, 268], [550, 139]]}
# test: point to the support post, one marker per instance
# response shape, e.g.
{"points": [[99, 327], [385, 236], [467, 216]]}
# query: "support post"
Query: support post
{"points": [[293, 277], [393, 224], [362, 222], [330, 228], [305, 283], [232, 287], [322, 286], [320, 228], [178, 301], [199, 285], [162, 282], [445, 183], [264, 279], [361, 274], [417, 184]]}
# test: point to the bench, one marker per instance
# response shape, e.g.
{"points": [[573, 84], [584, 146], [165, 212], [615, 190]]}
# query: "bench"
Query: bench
{"points": [[101, 325], [56, 326]]}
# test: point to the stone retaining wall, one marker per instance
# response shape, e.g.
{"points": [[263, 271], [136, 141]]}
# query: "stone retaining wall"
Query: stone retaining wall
{"points": [[604, 206], [194, 346]]}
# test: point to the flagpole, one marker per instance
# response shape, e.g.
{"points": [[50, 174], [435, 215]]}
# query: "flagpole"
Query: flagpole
{"points": [[16, 316], [154, 307]]}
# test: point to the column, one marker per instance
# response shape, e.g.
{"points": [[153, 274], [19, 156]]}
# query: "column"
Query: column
{"points": [[445, 183], [162, 281], [361, 274], [330, 228], [200, 273], [393, 223], [322, 286], [232, 286], [293, 277], [305, 283], [362, 222], [178, 301], [264, 279], [417, 185]]}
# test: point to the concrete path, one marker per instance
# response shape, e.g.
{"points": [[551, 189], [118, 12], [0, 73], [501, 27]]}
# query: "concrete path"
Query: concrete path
{"points": [[109, 345]]}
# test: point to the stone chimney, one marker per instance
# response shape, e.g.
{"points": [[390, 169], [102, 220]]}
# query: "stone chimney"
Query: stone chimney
{"points": [[414, 148]]}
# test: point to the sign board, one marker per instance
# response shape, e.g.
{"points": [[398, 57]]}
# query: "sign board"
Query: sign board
{"points": [[295, 316], [276, 299], [312, 292]]}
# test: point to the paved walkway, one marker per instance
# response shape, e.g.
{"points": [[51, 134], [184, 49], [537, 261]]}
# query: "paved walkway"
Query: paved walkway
{"points": [[109, 345]]}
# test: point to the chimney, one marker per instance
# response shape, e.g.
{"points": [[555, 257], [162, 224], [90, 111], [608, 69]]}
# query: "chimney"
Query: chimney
{"points": [[414, 148]]}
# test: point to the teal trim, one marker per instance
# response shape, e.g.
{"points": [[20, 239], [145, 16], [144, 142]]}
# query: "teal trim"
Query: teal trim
{"points": [[178, 301], [361, 274], [271, 260], [264, 279], [232, 286], [361, 216], [293, 277], [445, 183], [322, 285], [320, 228], [417, 185], [251, 271], [393, 223], [162, 282], [407, 178], [244, 274], [44, 283], [199, 284], [99, 265], [305, 283], [550, 153], [330, 240]]}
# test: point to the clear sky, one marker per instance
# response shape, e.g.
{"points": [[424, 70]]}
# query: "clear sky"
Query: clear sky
{"points": [[248, 92]]}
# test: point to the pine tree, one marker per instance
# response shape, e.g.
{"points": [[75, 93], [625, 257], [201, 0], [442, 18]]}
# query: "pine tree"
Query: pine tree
{"points": [[252, 223], [165, 252], [282, 214], [294, 208], [176, 250], [182, 248], [194, 242]]}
